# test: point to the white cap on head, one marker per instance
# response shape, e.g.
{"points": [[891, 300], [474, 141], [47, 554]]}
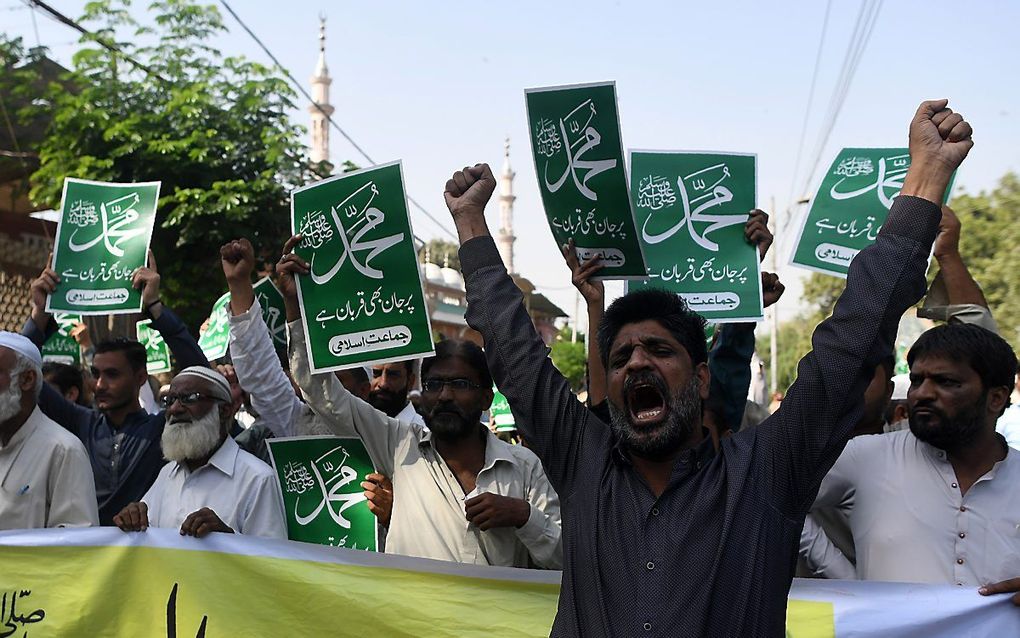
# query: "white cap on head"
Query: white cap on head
{"points": [[901, 383], [22, 345], [220, 385]]}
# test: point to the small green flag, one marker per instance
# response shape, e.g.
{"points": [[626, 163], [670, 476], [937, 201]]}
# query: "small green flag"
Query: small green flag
{"points": [[214, 340], [61, 346], [157, 353]]}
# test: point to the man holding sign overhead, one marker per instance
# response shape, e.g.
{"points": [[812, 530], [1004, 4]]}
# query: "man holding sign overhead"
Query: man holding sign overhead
{"points": [[459, 493], [122, 439], [666, 536]]}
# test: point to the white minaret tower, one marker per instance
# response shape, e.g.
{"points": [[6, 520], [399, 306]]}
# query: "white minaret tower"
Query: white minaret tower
{"points": [[320, 93], [505, 239]]}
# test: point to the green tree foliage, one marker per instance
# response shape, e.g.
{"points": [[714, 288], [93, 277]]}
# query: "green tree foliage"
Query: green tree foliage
{"points": [[989, 243], [570, 360], [443, 252], [212, 128]]}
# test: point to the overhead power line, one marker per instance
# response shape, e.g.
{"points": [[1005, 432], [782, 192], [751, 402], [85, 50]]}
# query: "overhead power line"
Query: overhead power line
{"points": [[810, 102], [110, 46], [867, 17], [300, 87]]}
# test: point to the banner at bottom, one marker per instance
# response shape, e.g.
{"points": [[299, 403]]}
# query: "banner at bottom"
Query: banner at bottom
{"points": [[102, 581]]}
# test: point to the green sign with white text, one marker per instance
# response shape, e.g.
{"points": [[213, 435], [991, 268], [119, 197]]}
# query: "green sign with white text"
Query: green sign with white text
{"points": [[850, 208], [157, 353], [273, 311], [499, 412], [363, 300], [102, 239], [320, 477], [214, 337], [61, 347], [691, 210], [578, 152]]}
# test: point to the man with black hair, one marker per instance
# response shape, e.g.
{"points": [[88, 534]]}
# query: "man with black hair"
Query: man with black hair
{"points": [[391, 384], [65, 379], [938, 503], [664, 535], [121, 438], [459, 493]]}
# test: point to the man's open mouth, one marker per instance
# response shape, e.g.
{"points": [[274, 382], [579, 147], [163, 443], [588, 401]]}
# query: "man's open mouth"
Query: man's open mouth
{"points": [[646, 404]]}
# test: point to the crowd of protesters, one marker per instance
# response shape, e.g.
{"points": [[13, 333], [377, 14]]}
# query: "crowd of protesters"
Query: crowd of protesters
{"points": [[672, 505]]}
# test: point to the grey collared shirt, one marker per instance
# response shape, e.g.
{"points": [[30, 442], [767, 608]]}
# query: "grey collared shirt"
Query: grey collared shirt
{"points": [[428, 517], [910, 521]]}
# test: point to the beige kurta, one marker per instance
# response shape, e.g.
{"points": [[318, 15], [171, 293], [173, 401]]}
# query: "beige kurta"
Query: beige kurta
{"points": [[46, 478]]}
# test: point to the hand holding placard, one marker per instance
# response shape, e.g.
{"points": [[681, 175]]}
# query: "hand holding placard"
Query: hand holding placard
{"points": [[771, 288], [43, 286], [146, 279], [757, 232], [289, 266]]}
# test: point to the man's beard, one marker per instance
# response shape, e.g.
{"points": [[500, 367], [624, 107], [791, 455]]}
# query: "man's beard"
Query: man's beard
{"points": [[185, 440], [447, 421], [944, 433], [659, 440], [10, 402], [387, 401]]}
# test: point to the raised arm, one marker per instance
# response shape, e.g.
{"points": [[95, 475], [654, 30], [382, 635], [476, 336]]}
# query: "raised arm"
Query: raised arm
{"points": [[552, 420], [252, 352], [799, 443], [337, 410], [38, 328], [594, 294], [180, 342], [965, 302]]}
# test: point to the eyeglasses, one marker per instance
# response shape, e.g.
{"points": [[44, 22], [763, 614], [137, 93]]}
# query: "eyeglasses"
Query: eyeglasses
{"points": [[186, 399], [458, 385]]}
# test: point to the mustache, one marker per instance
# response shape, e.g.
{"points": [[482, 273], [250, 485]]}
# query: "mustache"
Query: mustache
{"points": [[447, 407], [929, 407], [645, 377]]}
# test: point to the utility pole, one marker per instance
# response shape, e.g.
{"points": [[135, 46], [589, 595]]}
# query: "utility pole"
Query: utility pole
{"points": [[774, 316]]}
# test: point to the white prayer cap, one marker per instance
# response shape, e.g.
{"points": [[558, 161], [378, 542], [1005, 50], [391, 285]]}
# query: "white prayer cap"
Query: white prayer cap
{"points": [[221, 387], [22, 345], [901, 383]]}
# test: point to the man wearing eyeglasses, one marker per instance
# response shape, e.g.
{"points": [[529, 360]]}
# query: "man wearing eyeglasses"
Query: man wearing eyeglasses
{"points": [[210, 484], [121, 438], [459, 493]]}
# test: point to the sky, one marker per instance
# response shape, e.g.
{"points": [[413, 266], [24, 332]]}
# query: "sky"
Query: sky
{"points": [[439, 85]]}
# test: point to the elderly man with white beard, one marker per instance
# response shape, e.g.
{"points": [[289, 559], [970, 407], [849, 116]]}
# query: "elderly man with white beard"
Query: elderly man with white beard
{"points": [[210, 484], [45, 474]]}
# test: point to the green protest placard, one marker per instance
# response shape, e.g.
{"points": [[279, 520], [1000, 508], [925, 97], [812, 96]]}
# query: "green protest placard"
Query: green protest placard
{"points": [[214, 337], [850, 207], [102, 238], [273, 311], [578, 152], [691, 209], [320, 477], [363, 300], [499, 412], [61, 346], [157, 353]]}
